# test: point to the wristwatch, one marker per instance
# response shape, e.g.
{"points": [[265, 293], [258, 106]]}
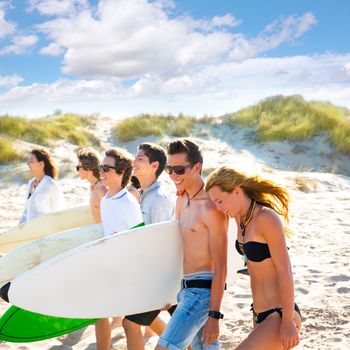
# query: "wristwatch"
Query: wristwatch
{"points": [[215, 314]]}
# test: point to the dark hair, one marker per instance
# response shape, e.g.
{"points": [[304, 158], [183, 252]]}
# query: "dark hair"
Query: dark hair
{"points": [[42, 155], [192, 150], [90, 160], [154, 153], [122, 162], [135, 182]]}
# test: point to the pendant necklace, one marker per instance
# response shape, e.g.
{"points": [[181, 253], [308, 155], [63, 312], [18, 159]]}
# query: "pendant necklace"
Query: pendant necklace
{"points": [[189, 199], [244, 221]]}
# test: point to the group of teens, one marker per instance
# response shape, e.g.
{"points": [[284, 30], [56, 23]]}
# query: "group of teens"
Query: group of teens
{"points": [[125, 191]]}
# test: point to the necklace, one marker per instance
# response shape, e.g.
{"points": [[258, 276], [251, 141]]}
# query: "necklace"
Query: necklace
{"points": [[189, 199], [245, 220]]}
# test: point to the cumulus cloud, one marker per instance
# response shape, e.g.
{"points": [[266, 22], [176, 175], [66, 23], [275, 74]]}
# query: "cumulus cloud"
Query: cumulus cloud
{"points": [[20, 44], [144, 39], [6, 27], [57, 7], [10, 80], [51, 50], [141, 39]]}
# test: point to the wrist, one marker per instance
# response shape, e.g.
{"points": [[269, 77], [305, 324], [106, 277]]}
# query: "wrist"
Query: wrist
{"points": [[215, 314]]}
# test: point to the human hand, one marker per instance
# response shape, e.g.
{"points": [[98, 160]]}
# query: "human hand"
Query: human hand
{"points": [[165, 307], [210, 330], [289, 335]]}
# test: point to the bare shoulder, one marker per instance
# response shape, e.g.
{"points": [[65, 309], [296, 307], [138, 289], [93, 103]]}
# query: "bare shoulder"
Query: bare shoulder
{"points": [[268, 221], [180, 202], [99, 192], [211, 215]]}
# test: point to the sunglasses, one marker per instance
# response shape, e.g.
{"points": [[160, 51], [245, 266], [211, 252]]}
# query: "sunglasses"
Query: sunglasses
{"points": [[105, 168], [80, 166], [178, 169]]}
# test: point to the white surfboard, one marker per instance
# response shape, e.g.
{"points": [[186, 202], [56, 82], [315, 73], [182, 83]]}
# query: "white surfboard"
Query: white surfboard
{"points": [[45, 225], [126, 273], [130, 272], [30, 255]]}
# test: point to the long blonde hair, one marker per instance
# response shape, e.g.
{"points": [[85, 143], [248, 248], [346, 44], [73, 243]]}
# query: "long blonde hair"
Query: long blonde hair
{"points": [[264, 192]]}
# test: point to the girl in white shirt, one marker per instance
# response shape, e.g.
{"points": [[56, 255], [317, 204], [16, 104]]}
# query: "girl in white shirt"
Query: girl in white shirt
{"points": [[43, 194]]}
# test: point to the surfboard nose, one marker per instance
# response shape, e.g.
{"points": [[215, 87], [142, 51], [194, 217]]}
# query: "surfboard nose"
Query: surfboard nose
{"points": [[4, 290]]}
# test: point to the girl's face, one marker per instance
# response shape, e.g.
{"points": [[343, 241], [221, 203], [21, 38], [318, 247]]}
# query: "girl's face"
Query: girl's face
{"points": [[226, 202], [36, 167]]}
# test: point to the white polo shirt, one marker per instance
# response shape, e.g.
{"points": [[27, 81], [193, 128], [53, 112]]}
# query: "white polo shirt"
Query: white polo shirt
{"points": [[119, 212]]}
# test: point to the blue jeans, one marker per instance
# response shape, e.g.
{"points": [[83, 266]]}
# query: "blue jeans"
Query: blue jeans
{"points": [[186, 324]]}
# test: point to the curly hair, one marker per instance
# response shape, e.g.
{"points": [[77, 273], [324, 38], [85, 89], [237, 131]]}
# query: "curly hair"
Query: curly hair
{"points": [[90, 160], [122, 162]]}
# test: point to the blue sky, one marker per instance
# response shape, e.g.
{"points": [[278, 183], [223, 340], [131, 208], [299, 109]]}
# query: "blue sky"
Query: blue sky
{"points": [[124, 57]]}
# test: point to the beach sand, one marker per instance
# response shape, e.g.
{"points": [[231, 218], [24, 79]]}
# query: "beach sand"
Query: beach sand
{"points": [[319, 248]]}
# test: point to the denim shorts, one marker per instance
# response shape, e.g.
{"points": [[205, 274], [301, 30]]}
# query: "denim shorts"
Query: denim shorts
{"points": [[186, 324]]}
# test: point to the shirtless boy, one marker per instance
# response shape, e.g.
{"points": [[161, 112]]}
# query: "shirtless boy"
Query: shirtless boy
{"points": [[195, 321]]}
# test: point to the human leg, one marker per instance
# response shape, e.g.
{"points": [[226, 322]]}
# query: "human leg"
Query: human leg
{"points": [[187, 320], [266, 335], [132, 326], [103, 334]]}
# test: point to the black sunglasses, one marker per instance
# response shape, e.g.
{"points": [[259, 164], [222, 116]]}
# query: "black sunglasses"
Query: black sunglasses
{"points": [[80, 166], [105, 168], [178, 169]]}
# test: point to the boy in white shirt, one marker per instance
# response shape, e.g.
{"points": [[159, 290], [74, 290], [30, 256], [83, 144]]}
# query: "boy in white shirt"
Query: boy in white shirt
{"points": [[119, 211]]}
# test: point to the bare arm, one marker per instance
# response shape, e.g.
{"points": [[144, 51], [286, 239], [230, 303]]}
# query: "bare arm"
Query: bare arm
{"points": [[217, 225], [96, 197], [272, 229]]}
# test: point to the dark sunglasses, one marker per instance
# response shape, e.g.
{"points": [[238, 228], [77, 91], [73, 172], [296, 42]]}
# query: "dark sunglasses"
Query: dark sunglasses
{"points": [[80, 166], [178, 169], [105, 168]]}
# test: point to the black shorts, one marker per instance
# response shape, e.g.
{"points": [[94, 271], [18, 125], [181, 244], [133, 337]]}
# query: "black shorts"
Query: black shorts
{"points": [[146, 318]]}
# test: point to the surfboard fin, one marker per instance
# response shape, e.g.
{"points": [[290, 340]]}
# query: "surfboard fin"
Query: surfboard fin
{"points": [[4, 290]]}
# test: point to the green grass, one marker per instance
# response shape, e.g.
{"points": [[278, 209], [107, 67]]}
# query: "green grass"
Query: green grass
{"points": [[70, 127], [7, 152], [159, 125], [292, 118]]}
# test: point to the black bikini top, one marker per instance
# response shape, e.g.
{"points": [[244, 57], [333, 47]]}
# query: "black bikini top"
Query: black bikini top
{"points": [[254, 251]]}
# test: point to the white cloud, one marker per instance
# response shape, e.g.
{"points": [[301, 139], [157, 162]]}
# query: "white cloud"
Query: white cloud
{"points": [[10, 80], [57, 7], [140, 40], [6, 27], [51, 50], [144, 39], [20, 44], [216, 89], [275, 34]]}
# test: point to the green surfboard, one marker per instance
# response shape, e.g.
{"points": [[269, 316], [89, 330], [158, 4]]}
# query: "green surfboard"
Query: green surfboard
{"points": [[20, 326]]}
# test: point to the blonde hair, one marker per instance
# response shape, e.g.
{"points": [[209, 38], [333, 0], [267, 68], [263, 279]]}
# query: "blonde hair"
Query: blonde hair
{"points": [[264, 192]]}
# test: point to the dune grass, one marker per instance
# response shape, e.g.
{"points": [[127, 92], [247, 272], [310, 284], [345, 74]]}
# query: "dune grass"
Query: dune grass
{"points": [[292, 118], [159, 125], [70, 127], [7, 152]]}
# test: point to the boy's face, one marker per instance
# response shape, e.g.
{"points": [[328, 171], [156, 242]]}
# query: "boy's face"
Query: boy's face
{"points": [[110, 177], [188, 174], [142, 166]]}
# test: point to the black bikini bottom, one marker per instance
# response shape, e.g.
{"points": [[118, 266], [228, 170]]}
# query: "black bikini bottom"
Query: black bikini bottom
{"points": [[260, 316]]}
